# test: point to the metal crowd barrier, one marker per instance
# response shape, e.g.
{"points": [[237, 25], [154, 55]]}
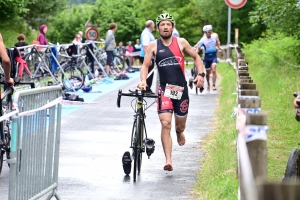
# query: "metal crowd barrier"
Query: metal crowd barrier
{"points": [[35, 142]]}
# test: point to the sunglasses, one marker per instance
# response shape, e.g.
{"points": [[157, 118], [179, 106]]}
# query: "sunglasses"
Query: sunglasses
{"points": [[208, 32]]}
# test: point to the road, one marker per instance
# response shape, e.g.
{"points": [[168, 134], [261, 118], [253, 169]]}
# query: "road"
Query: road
{"points": [[94, 138]]}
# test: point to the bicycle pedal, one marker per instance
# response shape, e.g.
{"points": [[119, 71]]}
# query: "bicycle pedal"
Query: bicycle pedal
{"points": [[150, 146]]}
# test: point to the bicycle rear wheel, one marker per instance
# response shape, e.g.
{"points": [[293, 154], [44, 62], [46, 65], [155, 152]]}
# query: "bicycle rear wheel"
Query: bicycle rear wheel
{"points": [[292, 172], [72, 77]]}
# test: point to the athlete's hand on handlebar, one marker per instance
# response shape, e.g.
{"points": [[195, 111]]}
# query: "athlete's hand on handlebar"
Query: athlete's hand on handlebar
{"points": [[10, 82], [142, 85]]}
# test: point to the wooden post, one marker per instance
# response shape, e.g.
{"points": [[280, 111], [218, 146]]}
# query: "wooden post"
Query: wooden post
{"points": [[240, 81], [244, 74], [248, 86], [237, 36], [244, 77], [279, 191], [257, 149]]}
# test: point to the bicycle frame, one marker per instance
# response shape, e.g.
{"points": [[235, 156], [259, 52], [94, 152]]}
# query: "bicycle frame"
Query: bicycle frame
{"points": [[139, 127]]}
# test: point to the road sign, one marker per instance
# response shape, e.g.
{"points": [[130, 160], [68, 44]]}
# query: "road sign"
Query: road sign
{"points": [[91, 34], [235, 4]]}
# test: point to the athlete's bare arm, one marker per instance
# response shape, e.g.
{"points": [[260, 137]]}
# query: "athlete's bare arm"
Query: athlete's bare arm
{"points": [[5, 62], [151, 51], [185, 46]]}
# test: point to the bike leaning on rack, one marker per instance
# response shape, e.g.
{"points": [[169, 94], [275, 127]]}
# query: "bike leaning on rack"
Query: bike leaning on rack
{"points": [[292, 172], [7, 111], [139, 138]]}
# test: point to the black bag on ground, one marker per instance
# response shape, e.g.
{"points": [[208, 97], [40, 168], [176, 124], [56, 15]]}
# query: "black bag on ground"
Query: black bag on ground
{"points": [[72, 97]]}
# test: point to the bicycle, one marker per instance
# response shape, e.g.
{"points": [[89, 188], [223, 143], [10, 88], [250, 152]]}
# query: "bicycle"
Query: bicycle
{"points": [[292, 171], [139, 137], [7, 109]]}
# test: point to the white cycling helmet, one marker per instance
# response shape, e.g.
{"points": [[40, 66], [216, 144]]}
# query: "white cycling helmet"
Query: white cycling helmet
{"points": [[207, 28]]}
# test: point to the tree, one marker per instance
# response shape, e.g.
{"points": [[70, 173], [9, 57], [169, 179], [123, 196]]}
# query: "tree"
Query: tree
{"points": [[68, 22], [122, 12], [278, 15], [41, 11], [13, 9]]}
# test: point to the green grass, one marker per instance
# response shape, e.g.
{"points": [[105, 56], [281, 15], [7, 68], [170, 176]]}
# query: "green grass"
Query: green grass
{"points": [[217, 178], [276, 84]]}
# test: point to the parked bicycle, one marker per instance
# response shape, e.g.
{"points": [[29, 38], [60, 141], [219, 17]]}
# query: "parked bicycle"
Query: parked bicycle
{"points": [[139, 138], [6, 113], [292, 171]]}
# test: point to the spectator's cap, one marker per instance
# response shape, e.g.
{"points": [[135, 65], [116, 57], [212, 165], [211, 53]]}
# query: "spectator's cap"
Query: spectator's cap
{"points": [[129, 42]]}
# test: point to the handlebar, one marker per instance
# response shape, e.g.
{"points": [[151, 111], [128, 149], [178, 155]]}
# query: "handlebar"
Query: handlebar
{"points": [[17, 81], [138, 93]]}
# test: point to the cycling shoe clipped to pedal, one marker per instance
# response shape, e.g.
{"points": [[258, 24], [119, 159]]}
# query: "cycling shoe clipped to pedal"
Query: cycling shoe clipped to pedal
{"points": [[126, 161], [150, 146]]}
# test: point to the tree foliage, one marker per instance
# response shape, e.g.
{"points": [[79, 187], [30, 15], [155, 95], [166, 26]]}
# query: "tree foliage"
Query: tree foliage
{"points": [[122, 12], [68, 22], [278, 15], [13, 9], [41, 11]]}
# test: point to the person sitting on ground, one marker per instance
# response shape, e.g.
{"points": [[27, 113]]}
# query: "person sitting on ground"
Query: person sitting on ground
{"points": [[5, 63]]}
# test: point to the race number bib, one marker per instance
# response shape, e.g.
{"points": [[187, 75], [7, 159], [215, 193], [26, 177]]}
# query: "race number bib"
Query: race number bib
{"points": [[173, 91]]}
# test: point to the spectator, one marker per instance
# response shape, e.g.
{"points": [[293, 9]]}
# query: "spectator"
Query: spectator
{"points": [[175, 32], [42, 36], [21, 43], [137, 47], [129, 47], [146, 38], [81, 34], [121, 49], [110, 44], [77, 39]]}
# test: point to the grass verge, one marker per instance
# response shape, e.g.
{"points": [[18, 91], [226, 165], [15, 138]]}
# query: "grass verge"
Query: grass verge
{"points": [[217, 178], [276, 84]]}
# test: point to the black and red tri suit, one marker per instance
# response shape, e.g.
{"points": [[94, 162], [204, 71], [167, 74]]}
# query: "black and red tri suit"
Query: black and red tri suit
{"points": [[170, 65]]}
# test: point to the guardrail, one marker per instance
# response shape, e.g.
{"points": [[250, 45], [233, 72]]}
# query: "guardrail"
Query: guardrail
{"points": [[35, 142], [252, 142]]}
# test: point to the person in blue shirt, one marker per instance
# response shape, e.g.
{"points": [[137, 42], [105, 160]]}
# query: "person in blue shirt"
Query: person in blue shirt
{"points": [[146, 38], [211, 45]]}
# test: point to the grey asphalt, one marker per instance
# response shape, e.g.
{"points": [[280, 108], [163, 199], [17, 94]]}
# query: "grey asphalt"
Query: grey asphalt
{"points": [[94, 138]]}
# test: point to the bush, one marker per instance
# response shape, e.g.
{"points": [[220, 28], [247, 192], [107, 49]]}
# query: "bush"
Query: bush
{"points": [[273, 50]]}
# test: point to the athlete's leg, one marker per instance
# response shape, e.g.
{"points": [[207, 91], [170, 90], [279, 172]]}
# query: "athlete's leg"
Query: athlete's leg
{"points": [[166, 139], [207, 78], [214, 75], [180, 123]]}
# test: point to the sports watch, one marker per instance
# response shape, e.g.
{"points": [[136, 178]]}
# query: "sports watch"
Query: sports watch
{"points": [[201, 74]]}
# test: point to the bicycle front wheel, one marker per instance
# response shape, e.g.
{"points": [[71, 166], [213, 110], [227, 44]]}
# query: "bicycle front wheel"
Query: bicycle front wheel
{"points": [[292, 172], [1, 159], [72, 78], [136, 149]]}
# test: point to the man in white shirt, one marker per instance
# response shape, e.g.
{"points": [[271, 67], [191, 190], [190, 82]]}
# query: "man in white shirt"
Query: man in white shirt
{"points": [[146, 38]]}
